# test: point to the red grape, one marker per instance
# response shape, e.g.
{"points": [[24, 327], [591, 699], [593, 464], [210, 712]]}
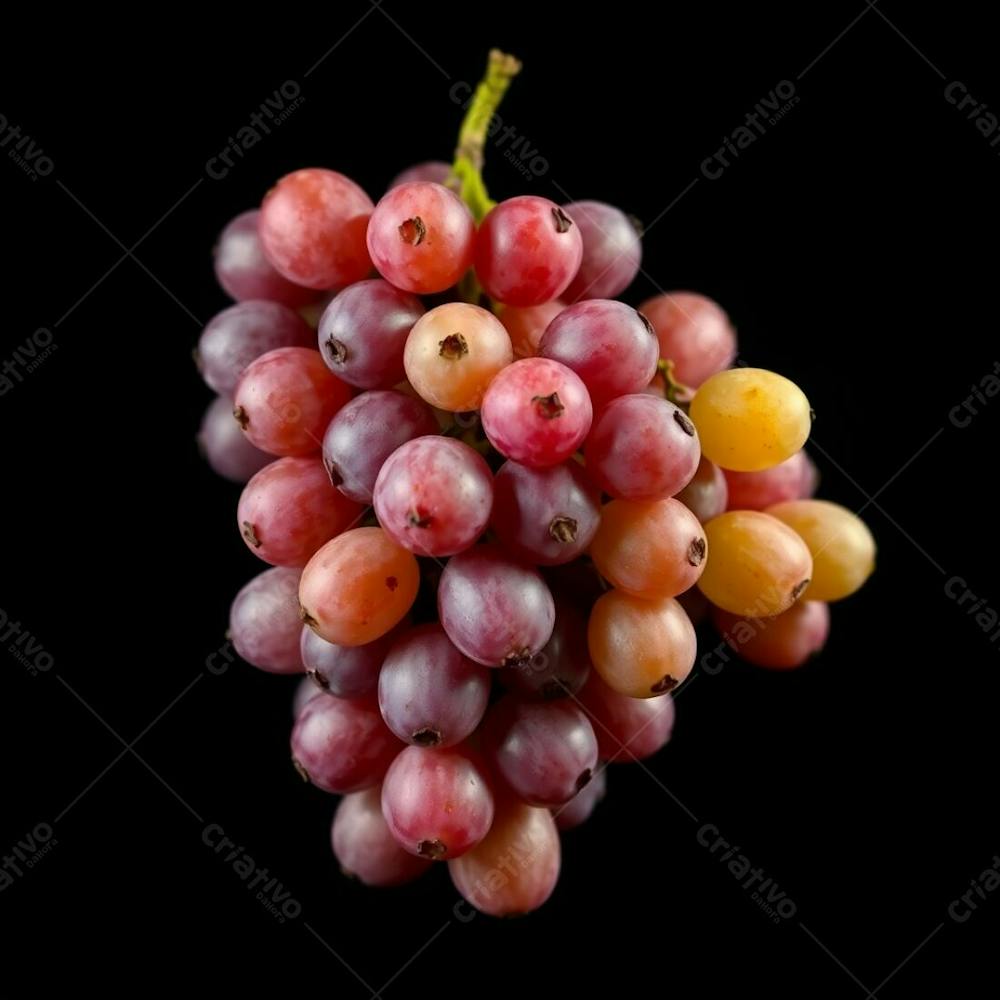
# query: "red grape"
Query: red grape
{"points": [[437, 802], [612, 251], [225, 446], [312, 227], [781, 643], [433, 496], [527, 252], [495, 610], [264, 621], [363, 331], [707, 493], [289, 509], [536, 412], [344, 671], [562, 667], [607, 343], [422, 237], [526, 325], [792, 479], [627, 728], [642, 448], [578, 809], [435, 171], [305, 691]]}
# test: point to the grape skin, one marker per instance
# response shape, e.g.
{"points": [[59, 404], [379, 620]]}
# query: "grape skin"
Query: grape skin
{"points": [[781, 643], [707, 493], [344, 671], [224, 445], [527, 325], [436, 171], [264, 621], [612, 251], [792, 479], [627, 729], [579, 808]]}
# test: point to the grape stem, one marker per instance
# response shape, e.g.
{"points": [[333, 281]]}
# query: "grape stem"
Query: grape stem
{"points": [[676, 392]]}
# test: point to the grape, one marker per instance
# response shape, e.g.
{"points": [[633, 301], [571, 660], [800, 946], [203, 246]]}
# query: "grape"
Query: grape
{"points": [[363, 331], [437, 803], [433, 496], [608, 344], [516, 867], [305, 691], [707, 494], [545, 516], [649, 548], [342, 745], [842, 547], [525, 326], [577, 811], [546, 751], [357, 587], [756, 564], [422, 237], [365, 432], [641, 648], [264, 621], [527, 252], [289, 509], [435, 171], [241, 334], [245, 273], [536, 412], [642, 448], [344, 671], [312, 227], [495, 610], [224, 445], [791, 479], [694, 332], [627, 729], [750, 419], [365, 848], [781, 643], [429, 693], [452, 354], [285, 400], [563, 665], [612, 251]]}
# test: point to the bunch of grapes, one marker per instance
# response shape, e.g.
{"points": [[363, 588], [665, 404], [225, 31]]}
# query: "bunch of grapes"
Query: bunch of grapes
{"points": [[493, 498]]}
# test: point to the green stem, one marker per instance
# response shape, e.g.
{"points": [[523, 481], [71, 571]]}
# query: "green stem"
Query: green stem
{"points": [[675, 391]]}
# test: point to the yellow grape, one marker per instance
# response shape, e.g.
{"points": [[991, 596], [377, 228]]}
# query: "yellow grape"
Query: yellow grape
{"points": [[750, 419], [842, 547], [757, 566]]}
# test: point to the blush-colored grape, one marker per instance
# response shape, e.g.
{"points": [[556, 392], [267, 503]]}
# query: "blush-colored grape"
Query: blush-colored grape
{"points": [[225, 446], [792, 479], [579, 808], [627, 729], [612, 251], [527, 324], [264, 621], [344, 671], [781, 643], [707, 493]]}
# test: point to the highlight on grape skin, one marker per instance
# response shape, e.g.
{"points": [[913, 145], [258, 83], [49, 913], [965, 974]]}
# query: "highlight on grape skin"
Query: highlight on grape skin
{"points": [[496, 503]]}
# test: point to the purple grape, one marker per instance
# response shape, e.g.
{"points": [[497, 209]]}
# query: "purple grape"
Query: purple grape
{"points": [[305, 691], [241, 334], [612, 251], [579, 808], [225, 446], [546, 751], [344, 671], [429, 693], [497, 611], [545, 516], [363, 332], [264, 623], [562, 667], [365, 432]]}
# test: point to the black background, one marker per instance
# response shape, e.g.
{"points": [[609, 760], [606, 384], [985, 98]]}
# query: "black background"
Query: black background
{"points": [[853, 245]]}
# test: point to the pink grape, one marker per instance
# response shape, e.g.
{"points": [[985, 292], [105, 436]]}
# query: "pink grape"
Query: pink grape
{"points": [[545, 516], [561, 669], [245, 273], [792, 479], [642, 448], [312, 227], [497, 611], [365, 432], [429, 693], [242, 333], [435, 171], [608, 344], [305, 691], [579, 808], [527, 252], [225, 446], [545, 751], [433, 496], [344, 671], [627, 728], [781, 643], [285, 400], [437, 803], [526, 325], [363, 331], [342, 745], [536, 412], [289, 509], [264, 621], [694, 332], [612, 251], [365, 848], [422, 237], [707, 493]]}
